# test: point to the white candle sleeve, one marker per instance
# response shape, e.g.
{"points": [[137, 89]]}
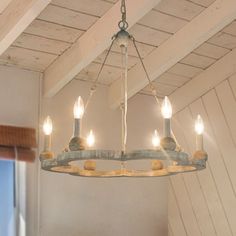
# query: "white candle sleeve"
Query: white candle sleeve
{"points": [[167, 127], [77, 127], [199, 142], [47, 143]]}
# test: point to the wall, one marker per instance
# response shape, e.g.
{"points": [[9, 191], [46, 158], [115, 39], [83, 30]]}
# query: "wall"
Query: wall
{"points": [[82, 206], [204, 203], [19, 99]]}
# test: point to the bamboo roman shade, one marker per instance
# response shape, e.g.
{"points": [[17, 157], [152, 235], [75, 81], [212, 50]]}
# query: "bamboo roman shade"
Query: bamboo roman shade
{"points": [[17, 138]]}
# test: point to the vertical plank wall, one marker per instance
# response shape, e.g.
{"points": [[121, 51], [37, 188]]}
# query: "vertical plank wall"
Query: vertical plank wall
{"points": [[204, 203]]}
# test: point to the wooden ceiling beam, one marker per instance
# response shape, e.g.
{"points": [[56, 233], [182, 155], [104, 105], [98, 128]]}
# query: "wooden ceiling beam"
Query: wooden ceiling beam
{"points": [[3, 5], [91, 44], [201, 28], [223, 69], [16, 17]]}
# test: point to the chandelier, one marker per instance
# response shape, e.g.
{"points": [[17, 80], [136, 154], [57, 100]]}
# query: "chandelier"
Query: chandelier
{"points": [[166, 157]]}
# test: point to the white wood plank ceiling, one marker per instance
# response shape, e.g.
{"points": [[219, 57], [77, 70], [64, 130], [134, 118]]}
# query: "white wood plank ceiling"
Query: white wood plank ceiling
{"points": [[63, 22]]}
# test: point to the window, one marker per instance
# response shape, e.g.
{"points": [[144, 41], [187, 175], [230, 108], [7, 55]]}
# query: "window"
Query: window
{"points": [[12, 198], [7, 199]]}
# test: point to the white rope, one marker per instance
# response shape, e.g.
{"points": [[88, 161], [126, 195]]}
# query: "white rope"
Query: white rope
{"points": [[125, 95]]}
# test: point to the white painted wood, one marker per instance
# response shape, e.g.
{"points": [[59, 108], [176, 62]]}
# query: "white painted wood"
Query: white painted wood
{"points": [[230, 29], [144, 49], [67, 17], [215, 180], [223, 40], [180, 8], [162, 89], [53, 31], [108, 75], [185, 70], [212, 76], [211, 50], [186, 209], [192, 180], [222, 133], [198, 61], [41, 44], [114, 59], [4, 4], [204, 3], [172, 79], [15, 19], [232, 81], [93, 7], [170, 232], [91, 44], [205, 177], [148, 35], [161, 21], [27, 59], [215, 17], [228, 105], [174, 215]]}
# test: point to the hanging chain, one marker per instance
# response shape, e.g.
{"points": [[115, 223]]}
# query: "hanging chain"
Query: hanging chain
{"points": [[123, 24], [152, 87], [94, 85]]}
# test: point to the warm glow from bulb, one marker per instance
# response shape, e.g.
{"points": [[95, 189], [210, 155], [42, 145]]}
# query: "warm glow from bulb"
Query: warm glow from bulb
{"points": [[78, 108], [90, 139], [199, 125], [47, 126], [155, 139], [166, 108]]}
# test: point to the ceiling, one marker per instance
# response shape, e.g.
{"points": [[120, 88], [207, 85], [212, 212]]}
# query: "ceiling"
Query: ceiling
{"points": [[62, 23]]}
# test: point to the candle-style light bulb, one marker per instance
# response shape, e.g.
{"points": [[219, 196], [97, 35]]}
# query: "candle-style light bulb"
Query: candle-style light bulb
{"points": [[155, 139], [199, 129], [90, 139], [78, 108], [166, 108], [47, 129], [47, 126], [199, 125], [78, 114]]}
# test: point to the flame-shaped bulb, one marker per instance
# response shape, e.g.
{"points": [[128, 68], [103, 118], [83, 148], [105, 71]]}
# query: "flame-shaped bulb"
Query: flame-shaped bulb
{"points": [[79, 108], [155, 139], [47, 126], [90, 139], [199, 125], [166, 108]]}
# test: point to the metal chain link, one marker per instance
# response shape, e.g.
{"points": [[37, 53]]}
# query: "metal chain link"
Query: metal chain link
{"points": [[152, 86], [123, 24], [94, 85]]}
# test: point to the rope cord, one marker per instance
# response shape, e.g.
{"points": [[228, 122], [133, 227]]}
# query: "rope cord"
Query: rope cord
{"points": [[124, 76]]}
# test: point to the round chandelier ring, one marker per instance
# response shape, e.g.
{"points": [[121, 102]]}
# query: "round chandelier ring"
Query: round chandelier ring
{"points": [[166, 158], [67, 163]]}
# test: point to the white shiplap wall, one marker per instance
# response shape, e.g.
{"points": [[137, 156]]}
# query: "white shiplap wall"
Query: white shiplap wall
{"points": [[204, 203]]}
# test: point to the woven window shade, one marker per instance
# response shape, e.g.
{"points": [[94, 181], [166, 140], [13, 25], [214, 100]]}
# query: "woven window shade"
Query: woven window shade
{"points": [[19, 139]]}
